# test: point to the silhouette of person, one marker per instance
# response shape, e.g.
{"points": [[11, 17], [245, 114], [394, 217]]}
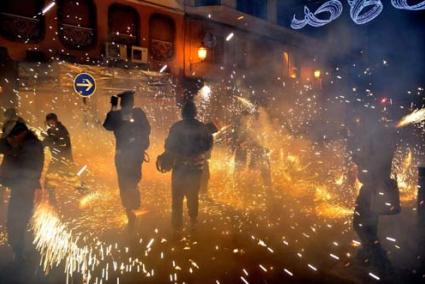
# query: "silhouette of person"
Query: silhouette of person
{"points": [[189, 142], [131, 129]]}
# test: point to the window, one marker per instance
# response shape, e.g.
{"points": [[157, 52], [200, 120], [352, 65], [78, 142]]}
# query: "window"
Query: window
{"points": [[21, 20], [257, 8], [162, 33], [207, 2], [124, 24], [77, 23]]}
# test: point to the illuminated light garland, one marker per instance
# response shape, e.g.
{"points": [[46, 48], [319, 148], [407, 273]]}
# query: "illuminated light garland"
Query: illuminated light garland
{"points": [[358, 6], [333, 7], [403, 5]]}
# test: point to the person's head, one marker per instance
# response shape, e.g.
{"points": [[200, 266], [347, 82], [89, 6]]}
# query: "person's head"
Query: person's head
{"points": [[10, 113], [17, 134], [127, 100], [189, 110], [51, 119]]}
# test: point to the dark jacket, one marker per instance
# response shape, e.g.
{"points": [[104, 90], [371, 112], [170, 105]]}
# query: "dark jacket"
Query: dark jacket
{"points": [[59, 142], [132, 136], [373, 151], [22, 165], [189, 141]]}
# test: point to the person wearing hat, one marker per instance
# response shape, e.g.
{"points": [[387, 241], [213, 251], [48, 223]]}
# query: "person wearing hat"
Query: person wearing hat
{"points": [[20, 171], [131, 129], [189, 142]]}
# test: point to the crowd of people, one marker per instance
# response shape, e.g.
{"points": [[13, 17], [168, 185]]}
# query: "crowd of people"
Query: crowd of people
{"points": [[187, 151]]}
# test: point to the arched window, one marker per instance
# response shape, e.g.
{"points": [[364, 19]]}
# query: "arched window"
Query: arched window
{"points": [[77, 23], [124, 24], [21, 20], [162, 32]]}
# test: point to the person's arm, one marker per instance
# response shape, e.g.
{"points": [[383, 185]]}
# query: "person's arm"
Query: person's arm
{"points": [[207, 138], [172, 141], [48, 140], [65, 137], [146, 123], [32, 162], [4, 146], [112, 120]]}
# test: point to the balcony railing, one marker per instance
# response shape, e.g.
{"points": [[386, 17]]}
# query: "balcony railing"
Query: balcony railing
{"points": [[76, 36], [21, 28]]}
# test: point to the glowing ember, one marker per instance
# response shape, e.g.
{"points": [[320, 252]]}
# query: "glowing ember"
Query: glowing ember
{"points": [[416, 116]]}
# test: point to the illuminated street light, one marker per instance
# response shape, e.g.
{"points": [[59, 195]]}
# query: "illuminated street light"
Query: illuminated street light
{"points": [[317, 74], [202, 53]]}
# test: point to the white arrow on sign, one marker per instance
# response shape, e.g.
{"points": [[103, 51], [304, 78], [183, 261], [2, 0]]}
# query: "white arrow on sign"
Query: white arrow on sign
{"points": [[87, 84]]}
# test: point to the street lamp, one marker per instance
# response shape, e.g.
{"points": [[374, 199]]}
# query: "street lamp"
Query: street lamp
{"points": [[317, 74], [202, 53]]}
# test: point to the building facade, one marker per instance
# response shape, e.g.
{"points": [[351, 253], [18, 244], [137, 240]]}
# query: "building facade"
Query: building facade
{"points": [[192, 40]]}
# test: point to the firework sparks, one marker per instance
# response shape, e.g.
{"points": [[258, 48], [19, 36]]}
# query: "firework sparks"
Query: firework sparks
{"points": [[416, 116]]}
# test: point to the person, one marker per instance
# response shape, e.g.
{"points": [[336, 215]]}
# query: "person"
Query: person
{"points": [[249, 153], [372, 145], [131, 129], [20, 171], [61, 167], [58, 140], [10, 117], [189, 142]]}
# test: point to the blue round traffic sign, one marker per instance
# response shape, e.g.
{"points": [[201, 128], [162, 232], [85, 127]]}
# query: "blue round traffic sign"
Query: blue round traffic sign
{"points": [[84, 84]]}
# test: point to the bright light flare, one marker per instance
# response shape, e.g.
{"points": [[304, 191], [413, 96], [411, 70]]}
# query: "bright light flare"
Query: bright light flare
{"points": [[47, 8], [229, 36], [163, 68], [416, 116], [81, 171]]}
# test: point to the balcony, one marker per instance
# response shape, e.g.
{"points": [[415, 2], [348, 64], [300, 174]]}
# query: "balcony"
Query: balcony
{"points": [[226, 13], [77, 37], [21, 28]]}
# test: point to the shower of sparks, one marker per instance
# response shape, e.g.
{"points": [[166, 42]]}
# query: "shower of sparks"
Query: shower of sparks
{"points": [[305, 216], [56, 243], [247, 103], [416, 116]]}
